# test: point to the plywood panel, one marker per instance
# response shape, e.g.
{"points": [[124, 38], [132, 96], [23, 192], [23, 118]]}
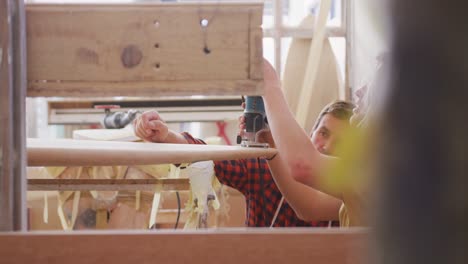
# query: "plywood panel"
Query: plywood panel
{"points": [[89, 47], [240, 246]]}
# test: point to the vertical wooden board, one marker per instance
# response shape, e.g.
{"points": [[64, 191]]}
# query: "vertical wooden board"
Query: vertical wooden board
{"points": [[256, 51], [138, 43]]}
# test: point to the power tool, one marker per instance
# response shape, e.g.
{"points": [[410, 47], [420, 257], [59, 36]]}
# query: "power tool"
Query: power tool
{"points": [[115, 120], [255, 121]]}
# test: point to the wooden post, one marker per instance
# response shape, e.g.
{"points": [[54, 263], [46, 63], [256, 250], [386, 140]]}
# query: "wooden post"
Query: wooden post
{"points": [[12, 116]]}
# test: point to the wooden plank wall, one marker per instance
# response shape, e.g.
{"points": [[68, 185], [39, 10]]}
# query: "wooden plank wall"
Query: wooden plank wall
{"points": [[244, 246], [155, 49]]}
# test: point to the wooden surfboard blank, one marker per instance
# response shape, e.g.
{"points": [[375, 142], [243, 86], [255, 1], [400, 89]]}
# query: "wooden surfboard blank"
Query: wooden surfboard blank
{"points": [[69, 152]]}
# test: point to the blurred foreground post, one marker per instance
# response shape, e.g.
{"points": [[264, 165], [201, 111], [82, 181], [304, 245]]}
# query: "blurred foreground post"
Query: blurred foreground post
{"points": [[423, 217]]}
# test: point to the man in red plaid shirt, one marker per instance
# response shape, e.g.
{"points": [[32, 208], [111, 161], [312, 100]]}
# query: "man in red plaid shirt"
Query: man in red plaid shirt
{"points": [[252, 177]]}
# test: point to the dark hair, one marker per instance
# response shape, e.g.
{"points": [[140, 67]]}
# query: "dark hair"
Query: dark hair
{"points": [[340, 109]]}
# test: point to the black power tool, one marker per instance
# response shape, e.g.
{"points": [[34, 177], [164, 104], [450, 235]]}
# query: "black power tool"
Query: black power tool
{"points": [[255, 121]]}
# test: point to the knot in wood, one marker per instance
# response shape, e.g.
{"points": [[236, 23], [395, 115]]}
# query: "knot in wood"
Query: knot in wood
{"points": [[131, 56]]}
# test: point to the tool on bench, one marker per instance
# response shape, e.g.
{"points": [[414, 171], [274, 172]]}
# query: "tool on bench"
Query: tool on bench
{"points": [[114, 120], [255, 122]]}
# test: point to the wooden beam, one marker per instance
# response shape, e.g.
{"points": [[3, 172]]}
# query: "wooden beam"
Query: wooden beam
{"points": [[68, 152], [144, 49], [164, 184], [291, 245], [187, 101], [86, 88]]}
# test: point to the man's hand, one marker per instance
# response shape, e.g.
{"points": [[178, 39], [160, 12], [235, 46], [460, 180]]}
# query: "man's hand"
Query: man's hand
{"points": [[150, 127]]}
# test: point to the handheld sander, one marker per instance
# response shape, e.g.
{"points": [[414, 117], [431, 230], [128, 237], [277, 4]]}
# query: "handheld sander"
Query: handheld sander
{"points": [[255, 121]]}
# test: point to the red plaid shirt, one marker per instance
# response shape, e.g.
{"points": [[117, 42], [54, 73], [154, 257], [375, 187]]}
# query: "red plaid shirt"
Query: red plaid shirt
{"points": [[252, 177]]}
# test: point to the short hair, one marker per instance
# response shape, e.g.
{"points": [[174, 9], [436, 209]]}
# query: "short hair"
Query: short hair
{"points": [[340, 109]]}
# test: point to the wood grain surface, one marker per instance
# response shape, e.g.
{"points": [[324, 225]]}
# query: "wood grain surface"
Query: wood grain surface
{"points": [[288, 245], [144, 49]]}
